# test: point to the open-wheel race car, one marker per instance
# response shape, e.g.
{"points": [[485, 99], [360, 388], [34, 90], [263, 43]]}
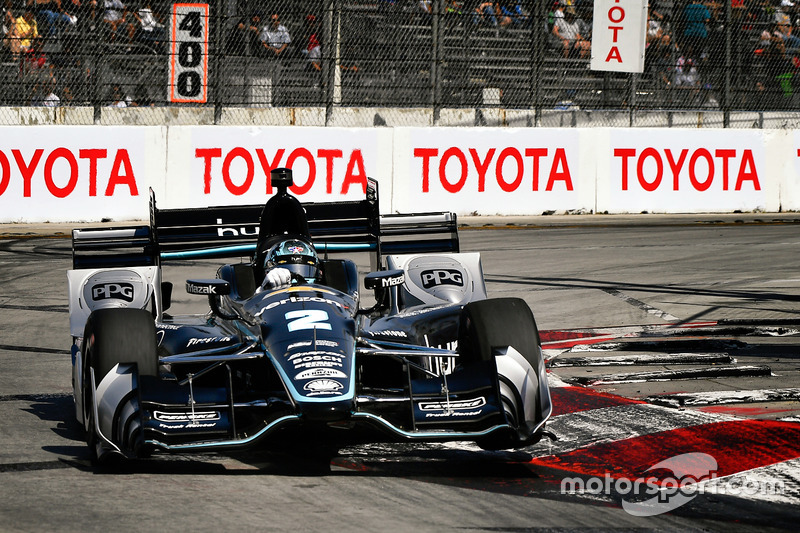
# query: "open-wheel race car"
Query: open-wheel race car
{"points": [[429, 358]]}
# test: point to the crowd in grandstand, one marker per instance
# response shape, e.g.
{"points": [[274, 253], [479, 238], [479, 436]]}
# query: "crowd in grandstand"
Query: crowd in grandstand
{"points": [[685, 38]]}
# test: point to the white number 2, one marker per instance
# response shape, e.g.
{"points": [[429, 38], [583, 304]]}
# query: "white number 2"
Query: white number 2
{"points": [[307, 319]]}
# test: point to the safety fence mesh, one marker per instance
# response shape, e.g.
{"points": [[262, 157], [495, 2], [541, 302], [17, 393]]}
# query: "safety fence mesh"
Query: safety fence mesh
{"points": [[434, 54]]}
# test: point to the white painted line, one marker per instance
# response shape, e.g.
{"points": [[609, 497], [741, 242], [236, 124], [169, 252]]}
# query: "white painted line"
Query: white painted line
{"points": [[696, 399]]}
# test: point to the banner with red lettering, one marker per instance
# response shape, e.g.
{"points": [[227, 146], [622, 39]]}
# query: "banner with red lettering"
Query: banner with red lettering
{"points": [[618, 35], [73, 173], [684, 171], [217, 165], [508, 171]]}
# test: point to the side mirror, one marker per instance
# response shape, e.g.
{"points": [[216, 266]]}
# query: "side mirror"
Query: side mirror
{"points": [[213, 288], [384, 279], [208, 287], [380, 281]]}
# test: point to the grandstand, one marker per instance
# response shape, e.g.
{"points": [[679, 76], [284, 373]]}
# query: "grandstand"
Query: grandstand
{"points": [[432, 55]]}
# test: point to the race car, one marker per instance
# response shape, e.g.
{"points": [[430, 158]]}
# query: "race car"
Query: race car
{"points": [[422, 356]]}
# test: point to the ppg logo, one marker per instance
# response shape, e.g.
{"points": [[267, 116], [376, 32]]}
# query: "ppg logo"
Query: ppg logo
{"points": [[119, 291], [445, 276]]}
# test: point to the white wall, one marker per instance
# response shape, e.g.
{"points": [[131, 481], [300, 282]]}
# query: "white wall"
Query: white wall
{"points": [[90, 173]]}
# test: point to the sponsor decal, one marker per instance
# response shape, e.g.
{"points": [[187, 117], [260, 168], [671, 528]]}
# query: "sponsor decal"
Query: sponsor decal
{"points": [[296, 249], [393, 281], [118, 291], [324, 359], [442, 276], [206, 340], [168, 326], [388, 333], [294, 356], [305, 344], [459, 408], [235, 232], [417, 312], [320, 387], [314, 363], [192, 288], [187, 416], [301, 299], [321, 373], [454, 405]]}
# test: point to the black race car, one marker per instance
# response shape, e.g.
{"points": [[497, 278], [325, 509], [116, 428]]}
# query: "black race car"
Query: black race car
{"points": [[428, 358]]}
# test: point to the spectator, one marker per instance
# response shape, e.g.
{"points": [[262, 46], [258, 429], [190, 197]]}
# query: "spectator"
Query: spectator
{"points": [[54, 17], [118, 98], [696, 16], [567, 29], [244, 37], [485, 14], [24, 30], [150, 32], [7, 26], [48, 98], [118, 18], [784, 33], [514, 12], [275, 38]]}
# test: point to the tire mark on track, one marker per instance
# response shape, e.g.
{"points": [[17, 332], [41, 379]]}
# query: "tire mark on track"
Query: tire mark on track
{"points": [[35, 397], [34, 466], [34, 349], [45, 309]]}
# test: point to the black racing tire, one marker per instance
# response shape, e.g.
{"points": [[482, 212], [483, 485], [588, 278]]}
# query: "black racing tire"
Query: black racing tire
{"points": [[121, 336], [500, 322], [113, 336]]}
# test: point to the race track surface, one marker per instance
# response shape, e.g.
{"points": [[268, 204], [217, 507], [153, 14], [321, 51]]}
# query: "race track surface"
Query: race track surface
{"points": [[674, 356]]}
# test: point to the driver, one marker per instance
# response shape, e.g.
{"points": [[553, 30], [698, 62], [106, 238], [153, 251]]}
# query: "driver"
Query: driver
{"points": [[290, 259]]}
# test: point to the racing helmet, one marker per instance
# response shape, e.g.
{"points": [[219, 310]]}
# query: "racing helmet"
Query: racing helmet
{"points": [[296, 256]]}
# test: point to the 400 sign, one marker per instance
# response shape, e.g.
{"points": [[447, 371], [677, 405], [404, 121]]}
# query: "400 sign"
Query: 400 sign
{"points": [[189, 59]]}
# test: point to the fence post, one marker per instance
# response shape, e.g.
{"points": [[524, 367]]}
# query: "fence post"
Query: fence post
{"points": [[437, 38], [726, 91], [538, 39], [329, 64], [218, 56]]}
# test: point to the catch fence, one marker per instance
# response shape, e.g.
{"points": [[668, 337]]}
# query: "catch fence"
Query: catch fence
{"points": [[432, 55]]}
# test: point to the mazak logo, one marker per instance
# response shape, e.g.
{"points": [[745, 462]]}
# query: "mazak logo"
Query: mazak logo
{"points": [[118, 291], [442, 276], [193, 288]]}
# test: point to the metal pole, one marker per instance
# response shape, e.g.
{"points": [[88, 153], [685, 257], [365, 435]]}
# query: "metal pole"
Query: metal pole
{"points": [[329, 62], [218, 56], [632, 100], [538, 24], [726, 92], [437, 37]]}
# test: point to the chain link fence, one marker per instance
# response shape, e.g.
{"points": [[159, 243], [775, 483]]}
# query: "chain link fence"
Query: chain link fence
{"points": [[236, 56]]}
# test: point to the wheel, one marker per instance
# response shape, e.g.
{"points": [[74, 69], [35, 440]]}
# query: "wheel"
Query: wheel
{"points": [[498, 322], [501, 322], [112, 336]]}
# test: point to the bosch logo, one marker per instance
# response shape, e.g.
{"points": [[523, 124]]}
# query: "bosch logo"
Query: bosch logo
{"points": [[432, 278], [118, 291]]}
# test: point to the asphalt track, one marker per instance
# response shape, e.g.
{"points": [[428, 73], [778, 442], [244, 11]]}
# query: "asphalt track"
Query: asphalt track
{"points": [[673, 351]]}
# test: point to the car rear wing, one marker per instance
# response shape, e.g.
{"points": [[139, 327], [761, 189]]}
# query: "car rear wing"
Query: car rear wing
{"points": [[232, 231]]}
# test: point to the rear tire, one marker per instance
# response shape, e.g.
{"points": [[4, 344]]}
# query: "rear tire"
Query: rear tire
{"points": [[500, 322], [111, 337]]}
